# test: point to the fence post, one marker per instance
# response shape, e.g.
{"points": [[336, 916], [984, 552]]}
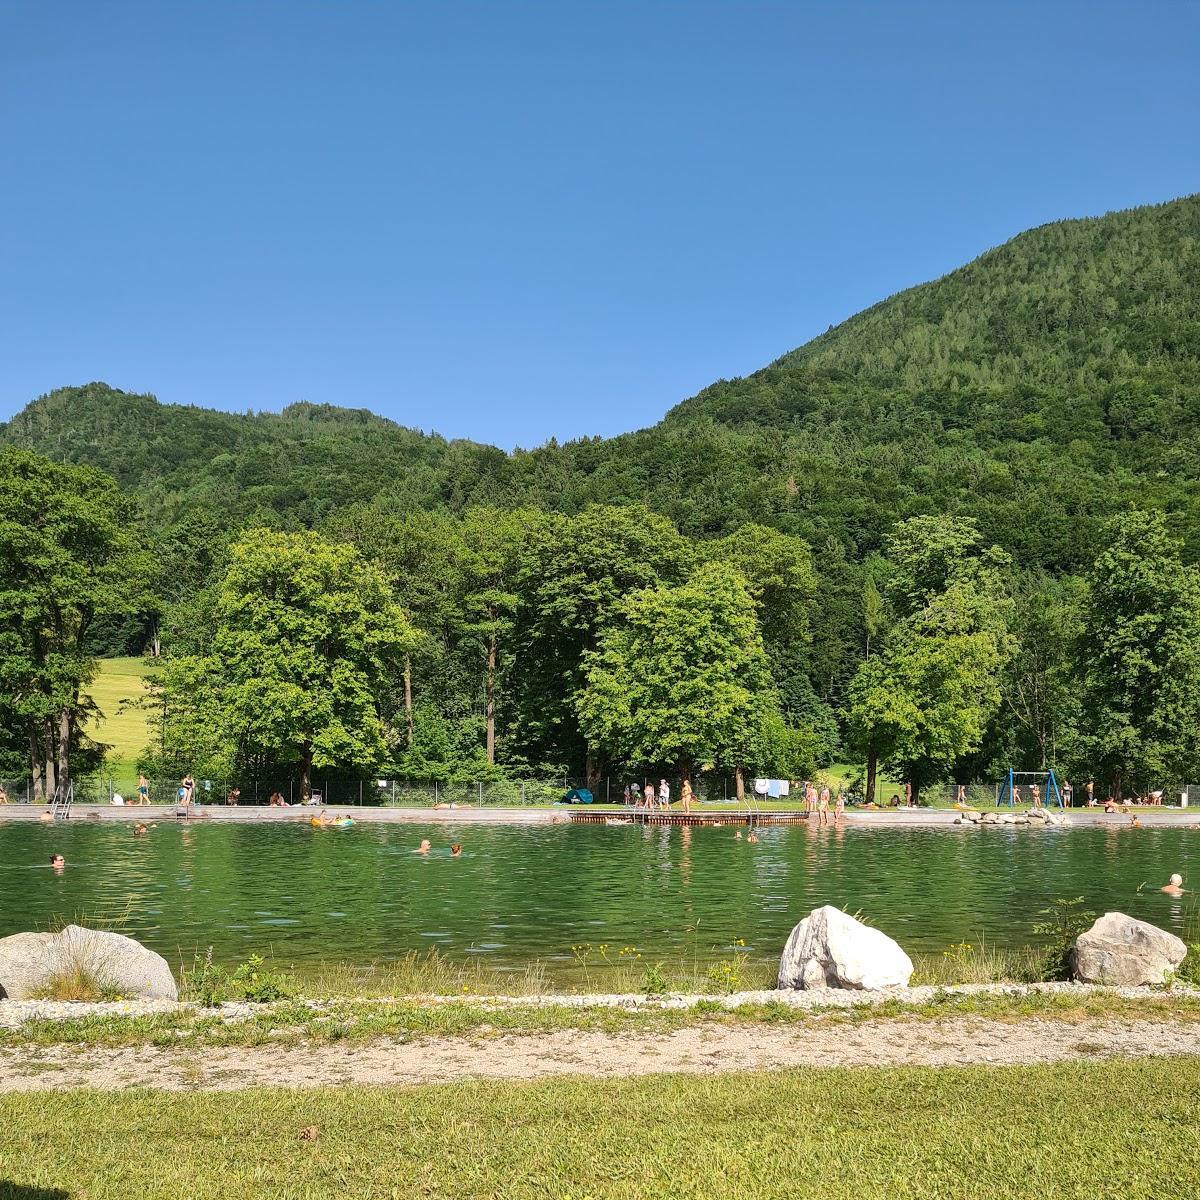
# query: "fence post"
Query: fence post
{"points": [[522, 793], [393, 793], [481, 793], [360, 793], [435, 800]]}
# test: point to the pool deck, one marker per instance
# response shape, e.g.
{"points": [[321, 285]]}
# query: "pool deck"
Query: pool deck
{"points": [[921, 818]]}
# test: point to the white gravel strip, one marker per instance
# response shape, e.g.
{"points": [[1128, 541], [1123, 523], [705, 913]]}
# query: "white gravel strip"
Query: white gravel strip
{"points": [[13, 1013]]}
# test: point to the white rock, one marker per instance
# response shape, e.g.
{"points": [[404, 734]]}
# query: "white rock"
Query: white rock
{"points": [[1121, 951], [830, 949], [28, 961]]}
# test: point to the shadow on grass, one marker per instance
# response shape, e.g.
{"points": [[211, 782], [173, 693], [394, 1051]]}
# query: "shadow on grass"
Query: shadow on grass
{"points": [[18, 1191]]}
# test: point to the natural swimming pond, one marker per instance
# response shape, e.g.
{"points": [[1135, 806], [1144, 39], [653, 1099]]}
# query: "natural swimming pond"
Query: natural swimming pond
{"points": [[525, 893]]}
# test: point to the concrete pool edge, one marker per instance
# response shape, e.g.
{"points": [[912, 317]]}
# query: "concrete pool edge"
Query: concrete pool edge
{"points": [[214, 813]]}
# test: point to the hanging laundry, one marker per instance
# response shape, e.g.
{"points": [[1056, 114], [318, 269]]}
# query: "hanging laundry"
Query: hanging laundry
{"points": [[773, 788], [785, 787], [760, 786]]}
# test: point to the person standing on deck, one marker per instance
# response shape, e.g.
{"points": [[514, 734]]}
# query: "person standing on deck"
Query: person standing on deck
{"points": [[664, 794], [823, 807], [685, 796], [1068, 793], [648, 793], [1090, 793]]}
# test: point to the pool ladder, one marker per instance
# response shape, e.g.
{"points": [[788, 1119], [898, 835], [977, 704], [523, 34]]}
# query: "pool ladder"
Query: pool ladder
{"points": [[61, 808]]}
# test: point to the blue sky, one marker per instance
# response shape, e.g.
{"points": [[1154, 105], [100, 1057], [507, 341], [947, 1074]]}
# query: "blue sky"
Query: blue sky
{"points": [[517, 221]]}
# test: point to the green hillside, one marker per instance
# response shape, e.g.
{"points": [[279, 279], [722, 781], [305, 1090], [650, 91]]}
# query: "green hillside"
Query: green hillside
{"points": [[1051, 381]]}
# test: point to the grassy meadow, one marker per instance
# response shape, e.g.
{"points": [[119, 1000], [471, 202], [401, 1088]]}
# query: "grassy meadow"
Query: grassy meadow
{"points": [[1111, 1130], [119, 692]]}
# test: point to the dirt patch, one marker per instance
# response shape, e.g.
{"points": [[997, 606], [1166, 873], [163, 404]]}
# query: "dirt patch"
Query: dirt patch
{"points": [[697, 1050]]}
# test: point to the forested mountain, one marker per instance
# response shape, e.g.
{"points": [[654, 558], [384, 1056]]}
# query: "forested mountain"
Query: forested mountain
{"points": [[1044, 385], [1039, 390]]}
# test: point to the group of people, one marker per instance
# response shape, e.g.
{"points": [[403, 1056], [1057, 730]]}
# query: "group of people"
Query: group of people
{"points": [[649, 797], [817, 802]]}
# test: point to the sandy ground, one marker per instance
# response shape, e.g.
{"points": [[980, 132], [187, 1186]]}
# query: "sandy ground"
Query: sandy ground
{"points": [[705, 1049]]}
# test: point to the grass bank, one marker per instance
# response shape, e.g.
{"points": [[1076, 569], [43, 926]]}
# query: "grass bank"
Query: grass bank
{"points": [[314, 1023], [897, 1133]]}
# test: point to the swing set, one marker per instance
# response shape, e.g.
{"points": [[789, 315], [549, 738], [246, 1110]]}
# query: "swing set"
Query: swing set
{"points": [[1048, 791]]}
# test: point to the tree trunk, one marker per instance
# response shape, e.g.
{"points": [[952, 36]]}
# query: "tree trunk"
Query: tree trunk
{"points": [[48, 756], [872, 770], [739, 783], [913, 792], [155, 644], [305, 772], [35, 771], [66, 723], [491, 699], [1116, 786], [591, 770], [408, 714]]}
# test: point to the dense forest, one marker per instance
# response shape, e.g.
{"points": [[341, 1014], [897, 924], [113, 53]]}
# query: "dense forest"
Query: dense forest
{"points": [[1019, 413]]}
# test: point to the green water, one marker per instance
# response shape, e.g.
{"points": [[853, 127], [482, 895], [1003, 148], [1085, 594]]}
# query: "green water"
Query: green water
{"points": [[521, 893]]}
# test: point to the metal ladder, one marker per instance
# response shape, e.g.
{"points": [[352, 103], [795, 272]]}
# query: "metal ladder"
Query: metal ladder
{"points": [[61, 808]]}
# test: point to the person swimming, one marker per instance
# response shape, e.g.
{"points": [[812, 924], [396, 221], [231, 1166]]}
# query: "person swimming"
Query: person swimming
{"points": [[1173, 886], [752, 836], [455, 850], [139, 829], [424, 847], [57, 861]]}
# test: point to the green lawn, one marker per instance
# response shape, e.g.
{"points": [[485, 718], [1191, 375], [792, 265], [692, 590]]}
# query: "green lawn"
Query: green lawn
{"points": [[118, 687], [1116, 1130]]}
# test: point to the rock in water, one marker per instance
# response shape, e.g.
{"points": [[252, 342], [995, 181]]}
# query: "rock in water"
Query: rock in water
{"points": [[28, 961], [829, 949], [1124, 952]]}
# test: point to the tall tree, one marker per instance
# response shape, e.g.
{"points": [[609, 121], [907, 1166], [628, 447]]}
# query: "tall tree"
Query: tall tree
{"points": [[71, 553], [1139, 656], [682, 676], [924, 701], [305, 631], [490, 548], [575, 572]]}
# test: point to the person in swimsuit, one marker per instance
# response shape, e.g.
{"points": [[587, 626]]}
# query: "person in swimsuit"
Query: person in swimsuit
{"points": [[143, 790]]}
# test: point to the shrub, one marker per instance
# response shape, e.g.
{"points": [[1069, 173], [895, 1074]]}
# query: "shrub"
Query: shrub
{"points": [[209, 984], [1064, 922], [654, 982]]}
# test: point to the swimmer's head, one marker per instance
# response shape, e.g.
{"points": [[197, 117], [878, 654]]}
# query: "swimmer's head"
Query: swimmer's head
{"points": [[1177, 881], [425, 844], [456, 849], [57, 861]]}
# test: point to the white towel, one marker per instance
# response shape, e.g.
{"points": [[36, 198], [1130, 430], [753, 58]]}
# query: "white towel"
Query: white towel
{"points": [[761, 785]]}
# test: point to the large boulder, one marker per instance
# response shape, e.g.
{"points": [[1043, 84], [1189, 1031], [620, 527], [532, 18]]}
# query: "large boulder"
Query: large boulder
{"points": [[29, 961], [1124, 952], [830, 949]]}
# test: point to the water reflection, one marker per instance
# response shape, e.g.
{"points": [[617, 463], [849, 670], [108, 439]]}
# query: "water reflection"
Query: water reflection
{"points": [[524, 893]]}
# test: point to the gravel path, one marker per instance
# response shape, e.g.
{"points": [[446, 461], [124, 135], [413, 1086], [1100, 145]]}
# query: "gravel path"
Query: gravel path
{"points": [[704, 1049]]}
